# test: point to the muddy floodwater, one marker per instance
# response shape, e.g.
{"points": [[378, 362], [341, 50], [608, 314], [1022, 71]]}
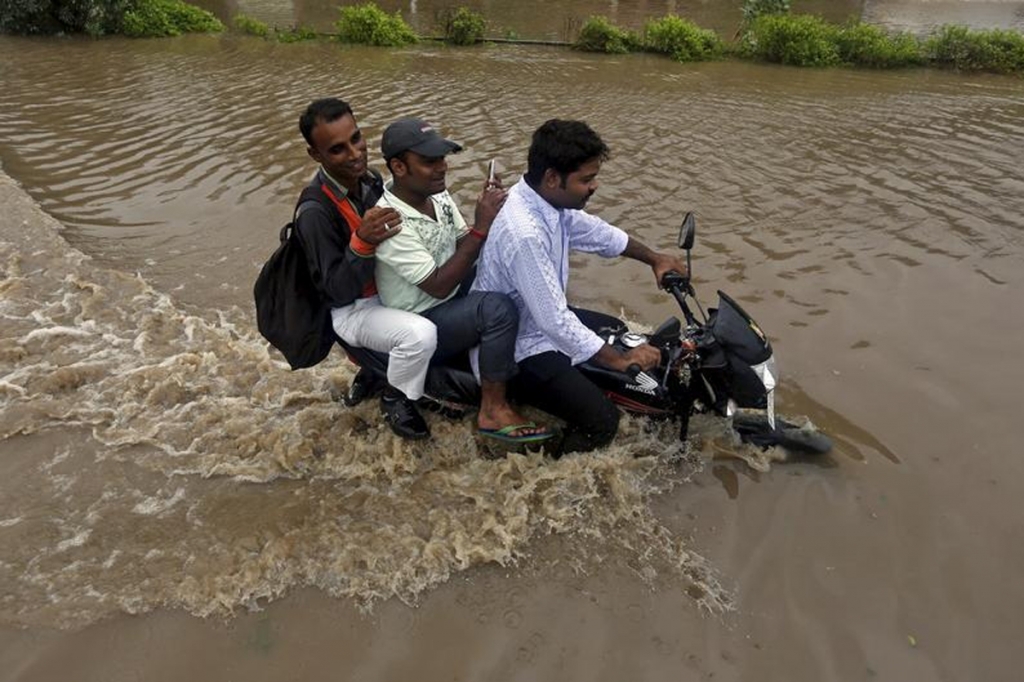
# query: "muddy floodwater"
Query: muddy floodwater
{"points": [[175, 504]]}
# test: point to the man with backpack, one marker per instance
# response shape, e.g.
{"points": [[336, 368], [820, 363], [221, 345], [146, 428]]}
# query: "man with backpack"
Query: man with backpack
{"points": [[340, 228]]}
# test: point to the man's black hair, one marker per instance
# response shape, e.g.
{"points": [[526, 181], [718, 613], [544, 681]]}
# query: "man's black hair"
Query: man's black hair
{"points": [[563, 146], [322, 111], [401, 156]]}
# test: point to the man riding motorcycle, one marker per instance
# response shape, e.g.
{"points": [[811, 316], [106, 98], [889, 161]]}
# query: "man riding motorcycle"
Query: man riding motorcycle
{"points": [[526, 255]]}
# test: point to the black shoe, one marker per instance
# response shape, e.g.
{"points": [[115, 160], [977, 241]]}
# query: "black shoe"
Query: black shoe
{"points": [[365, 384], [401, 415]]}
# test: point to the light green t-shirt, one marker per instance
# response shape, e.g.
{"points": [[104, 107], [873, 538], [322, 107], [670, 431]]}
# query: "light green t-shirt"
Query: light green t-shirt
{"points": [[423, 245]]}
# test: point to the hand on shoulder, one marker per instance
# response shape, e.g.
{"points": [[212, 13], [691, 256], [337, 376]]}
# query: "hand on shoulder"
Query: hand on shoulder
{"points": [[379, 224], [488, 204]]}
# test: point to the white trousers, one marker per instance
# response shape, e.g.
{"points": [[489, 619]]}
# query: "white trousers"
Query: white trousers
{"points": [[408, 339]]}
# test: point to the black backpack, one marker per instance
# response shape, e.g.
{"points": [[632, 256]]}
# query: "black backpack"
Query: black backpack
{"points": [[291, 312]]}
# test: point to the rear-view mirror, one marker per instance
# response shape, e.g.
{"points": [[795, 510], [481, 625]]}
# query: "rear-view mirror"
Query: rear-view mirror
{"points": [[686, 231]]}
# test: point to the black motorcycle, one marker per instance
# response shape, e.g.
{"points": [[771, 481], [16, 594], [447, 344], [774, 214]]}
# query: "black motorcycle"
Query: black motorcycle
{"points": [[722, 363]]}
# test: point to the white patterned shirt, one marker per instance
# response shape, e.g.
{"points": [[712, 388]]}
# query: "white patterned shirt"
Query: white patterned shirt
{"points": [[526, 256], [421, 247]]}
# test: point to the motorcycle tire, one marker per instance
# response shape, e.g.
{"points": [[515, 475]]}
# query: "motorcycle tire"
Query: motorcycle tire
{"points": [[786, 435], [804, 441]]}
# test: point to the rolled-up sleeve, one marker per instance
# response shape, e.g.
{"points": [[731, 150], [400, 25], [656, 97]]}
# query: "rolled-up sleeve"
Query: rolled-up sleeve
{"points": [[538, 286], [590, 234]]}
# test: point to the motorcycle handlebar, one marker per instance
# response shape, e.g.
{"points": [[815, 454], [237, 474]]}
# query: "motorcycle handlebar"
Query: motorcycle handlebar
{"points": [[679, 286], [673, 281]]}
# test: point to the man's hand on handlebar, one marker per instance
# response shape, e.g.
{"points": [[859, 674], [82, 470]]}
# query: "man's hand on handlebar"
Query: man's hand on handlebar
{"points": [[673, 279], [645, 355], [663, 264]]}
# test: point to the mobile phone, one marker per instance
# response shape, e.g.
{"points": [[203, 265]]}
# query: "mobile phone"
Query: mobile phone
{"points": [[490, 170]]}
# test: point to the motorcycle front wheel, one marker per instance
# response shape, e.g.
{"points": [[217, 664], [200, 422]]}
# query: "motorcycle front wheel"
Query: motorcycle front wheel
{"points": [[753, 427]]}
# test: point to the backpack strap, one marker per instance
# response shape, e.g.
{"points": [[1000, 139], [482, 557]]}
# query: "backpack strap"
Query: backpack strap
{"points": [[310, 194], [353, 219], [345, 216]]}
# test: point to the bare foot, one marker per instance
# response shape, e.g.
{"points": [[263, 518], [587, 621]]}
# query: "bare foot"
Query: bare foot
{"points": [[502, 415]]}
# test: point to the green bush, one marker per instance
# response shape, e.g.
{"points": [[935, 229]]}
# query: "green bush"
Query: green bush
{"points": [[296, 35], [598, 34], [94, 17], [462, 26], [367, 24], [752, 9], [868, 45], [156, 18], [965, 50], [249, 26], [136, 18], [683, 40], [801, 40]]}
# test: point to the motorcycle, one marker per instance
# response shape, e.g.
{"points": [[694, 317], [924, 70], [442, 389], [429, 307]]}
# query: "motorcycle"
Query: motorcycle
{"points": [[720, 363]]}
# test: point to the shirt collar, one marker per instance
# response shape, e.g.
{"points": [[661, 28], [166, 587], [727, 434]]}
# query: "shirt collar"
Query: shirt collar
{"points": [[548, 212], [339, 188], [405, 209]]}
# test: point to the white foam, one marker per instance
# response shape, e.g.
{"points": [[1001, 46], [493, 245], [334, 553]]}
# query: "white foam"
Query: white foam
{"points": [[76, 541], [156, 505], [7, 387], [50, 332]]}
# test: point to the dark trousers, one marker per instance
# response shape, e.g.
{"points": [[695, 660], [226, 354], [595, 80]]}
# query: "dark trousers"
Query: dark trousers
{"points": [[486, 318], [549, 382]]}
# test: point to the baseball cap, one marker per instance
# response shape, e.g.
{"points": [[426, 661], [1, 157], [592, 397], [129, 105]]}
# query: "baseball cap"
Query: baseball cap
{"points": [[415, 135]]}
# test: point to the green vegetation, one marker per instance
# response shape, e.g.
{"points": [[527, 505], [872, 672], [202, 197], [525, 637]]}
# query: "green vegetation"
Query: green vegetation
{"points": [[965, 50], [679, 38], [867, 45], [752, 9], [768, 33], [295, 35], [255, 27], [682, 40], [249, 26], [93, 17], [135, 18], [598, 34], [462, 26], [805, 40], [157, 18], [367, 24], [801, 40]]}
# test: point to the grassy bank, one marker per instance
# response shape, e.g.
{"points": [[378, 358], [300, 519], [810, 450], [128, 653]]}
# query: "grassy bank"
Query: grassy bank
{"points": [[135, 18], [768, 33], [808, 40]]}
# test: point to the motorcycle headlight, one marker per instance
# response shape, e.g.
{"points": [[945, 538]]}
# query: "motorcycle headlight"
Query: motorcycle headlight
{"points": [[769, 376]]}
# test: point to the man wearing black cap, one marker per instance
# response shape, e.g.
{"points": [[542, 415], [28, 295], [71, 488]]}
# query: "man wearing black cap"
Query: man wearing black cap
{"points": [[421, 269]]}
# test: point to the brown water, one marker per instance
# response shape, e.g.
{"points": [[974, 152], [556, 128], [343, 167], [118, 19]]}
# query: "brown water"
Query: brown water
{"points": [[156, 460]]}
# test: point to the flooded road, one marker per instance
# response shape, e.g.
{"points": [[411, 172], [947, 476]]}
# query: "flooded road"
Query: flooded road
{"points": [[156, 460]]}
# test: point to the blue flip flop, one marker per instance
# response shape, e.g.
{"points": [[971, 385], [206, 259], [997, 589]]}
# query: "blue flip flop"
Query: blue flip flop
{"points": [[504, 434]]}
